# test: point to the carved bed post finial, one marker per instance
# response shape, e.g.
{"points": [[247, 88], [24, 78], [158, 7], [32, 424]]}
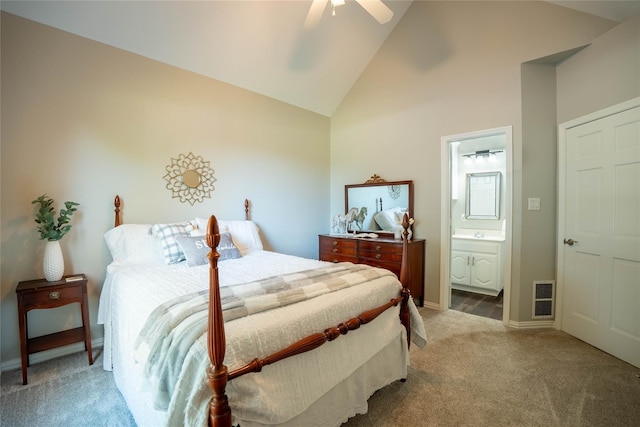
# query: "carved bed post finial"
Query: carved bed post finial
{"points": [[116, 203], [246, 209], [217, 374]]}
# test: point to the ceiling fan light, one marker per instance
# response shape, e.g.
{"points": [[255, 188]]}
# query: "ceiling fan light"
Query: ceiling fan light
{"points": [[336, 3]]}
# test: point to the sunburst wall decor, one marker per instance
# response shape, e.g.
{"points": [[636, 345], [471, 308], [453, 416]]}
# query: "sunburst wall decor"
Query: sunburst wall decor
{"points": [[190, 178]]}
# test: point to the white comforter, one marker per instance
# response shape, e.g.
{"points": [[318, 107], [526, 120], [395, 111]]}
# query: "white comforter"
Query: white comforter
{"points": [[131, 293]]}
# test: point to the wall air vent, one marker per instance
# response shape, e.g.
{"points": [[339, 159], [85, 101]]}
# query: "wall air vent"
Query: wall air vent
{"points": [[544, 292]]}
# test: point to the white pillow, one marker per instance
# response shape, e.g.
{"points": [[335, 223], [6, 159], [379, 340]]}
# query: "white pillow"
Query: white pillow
{"points": [[133, 244], [245, 234], [386, 220], [199, 227]]}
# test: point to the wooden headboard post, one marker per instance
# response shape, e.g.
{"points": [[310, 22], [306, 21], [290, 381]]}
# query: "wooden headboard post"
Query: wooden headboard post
{"points": [[217, 374], [116, 203], [246, 209]]}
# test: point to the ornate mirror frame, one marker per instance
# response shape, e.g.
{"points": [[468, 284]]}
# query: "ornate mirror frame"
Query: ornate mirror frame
{"points": [[379, 195]]}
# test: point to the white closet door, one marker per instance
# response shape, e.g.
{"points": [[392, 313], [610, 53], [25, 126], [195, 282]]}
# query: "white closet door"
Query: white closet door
{"points": [[601, 271]]}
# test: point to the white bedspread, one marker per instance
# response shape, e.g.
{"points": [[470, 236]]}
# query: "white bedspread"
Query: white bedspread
{"points": [[131, 293]]}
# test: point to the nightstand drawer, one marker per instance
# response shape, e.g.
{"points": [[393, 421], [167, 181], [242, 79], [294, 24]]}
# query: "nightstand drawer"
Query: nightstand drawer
{"points": [[52, 297]]}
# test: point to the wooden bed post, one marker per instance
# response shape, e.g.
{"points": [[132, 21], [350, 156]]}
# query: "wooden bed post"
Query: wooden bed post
{"points": [[219, 410], [405, 279], [116, 203], [246, 209]]}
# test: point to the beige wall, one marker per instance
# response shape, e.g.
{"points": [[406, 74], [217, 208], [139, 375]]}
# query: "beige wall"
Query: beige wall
{"points": [[451, 68], [83, 121], [604, 74]]}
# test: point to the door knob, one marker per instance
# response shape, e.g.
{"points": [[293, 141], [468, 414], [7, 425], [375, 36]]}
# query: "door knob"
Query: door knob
{"points": [[570, 242]]}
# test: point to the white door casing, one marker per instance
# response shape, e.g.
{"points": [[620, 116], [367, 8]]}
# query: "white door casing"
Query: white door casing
{"points": [[445, 203], [599, 230]]}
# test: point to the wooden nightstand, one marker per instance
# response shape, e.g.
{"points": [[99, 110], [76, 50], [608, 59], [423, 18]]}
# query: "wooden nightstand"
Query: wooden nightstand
{"points": [[40, 294]]}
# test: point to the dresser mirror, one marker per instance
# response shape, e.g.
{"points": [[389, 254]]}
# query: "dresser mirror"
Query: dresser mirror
{"points": [[377, 205], [483, 195]]}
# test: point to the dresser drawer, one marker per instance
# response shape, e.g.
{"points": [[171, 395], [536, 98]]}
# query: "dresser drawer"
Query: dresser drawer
{"points": [[391, 266], [381, 251], [338, 250], [54, 297], [345, 247]]}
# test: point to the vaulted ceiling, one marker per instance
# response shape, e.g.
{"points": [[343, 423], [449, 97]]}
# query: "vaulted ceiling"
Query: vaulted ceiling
{"points": [[259, 45]]}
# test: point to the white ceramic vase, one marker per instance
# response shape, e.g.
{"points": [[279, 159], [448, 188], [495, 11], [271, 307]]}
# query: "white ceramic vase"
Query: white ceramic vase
{"points": [[53, 262]]}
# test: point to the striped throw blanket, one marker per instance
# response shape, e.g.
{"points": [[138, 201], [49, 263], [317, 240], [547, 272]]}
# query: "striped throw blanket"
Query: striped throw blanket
{"points": [[175, 326]]}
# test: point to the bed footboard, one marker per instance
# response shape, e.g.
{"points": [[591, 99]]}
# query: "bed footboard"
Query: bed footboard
{"points": [[218, 375]]}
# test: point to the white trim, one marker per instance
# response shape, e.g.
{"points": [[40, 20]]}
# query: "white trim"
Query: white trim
{"points": [[445, 214], [562, 183], [432, 305], [532, 324], [52, 354]]}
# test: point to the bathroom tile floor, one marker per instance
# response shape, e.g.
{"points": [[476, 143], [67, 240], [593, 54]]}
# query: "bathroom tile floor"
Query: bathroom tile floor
{"points": [[478, 304]]}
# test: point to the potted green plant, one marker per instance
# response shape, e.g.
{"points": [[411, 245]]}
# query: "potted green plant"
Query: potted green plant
{"points": [[52, 230]]}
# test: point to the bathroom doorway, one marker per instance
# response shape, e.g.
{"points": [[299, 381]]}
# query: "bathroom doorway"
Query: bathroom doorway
{"points": [[475, 253]]}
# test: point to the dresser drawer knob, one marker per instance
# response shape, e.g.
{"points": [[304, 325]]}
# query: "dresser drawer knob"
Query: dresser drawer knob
{"points": [[335, 250], [377, 256], [377, 247], [54, 295], [335, 243]]}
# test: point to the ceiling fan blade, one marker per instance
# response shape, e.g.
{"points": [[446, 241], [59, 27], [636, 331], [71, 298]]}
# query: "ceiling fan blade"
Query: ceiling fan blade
{"points": [[377, 9], [314, 14]]}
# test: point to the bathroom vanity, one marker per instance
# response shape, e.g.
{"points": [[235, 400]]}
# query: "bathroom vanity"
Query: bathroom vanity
{"points": [[476, 261]]}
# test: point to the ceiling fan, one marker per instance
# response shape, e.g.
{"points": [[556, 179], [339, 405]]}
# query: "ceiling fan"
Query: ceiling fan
{"points": [[376, 8]]}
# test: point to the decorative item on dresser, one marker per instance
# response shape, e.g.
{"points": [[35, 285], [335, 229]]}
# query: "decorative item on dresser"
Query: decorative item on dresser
{"points": [[382, 252], [43, 294]]}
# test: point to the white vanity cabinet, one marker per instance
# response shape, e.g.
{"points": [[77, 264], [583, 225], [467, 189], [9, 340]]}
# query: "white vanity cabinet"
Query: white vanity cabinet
{"points": [[476, 266]]}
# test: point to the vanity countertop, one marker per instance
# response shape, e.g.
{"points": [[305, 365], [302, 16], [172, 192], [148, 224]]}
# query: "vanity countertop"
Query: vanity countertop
{"points": [[470, 234]]}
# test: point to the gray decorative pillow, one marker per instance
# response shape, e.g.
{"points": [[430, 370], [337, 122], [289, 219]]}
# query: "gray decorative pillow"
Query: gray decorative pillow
{"points": [[196, 250]]}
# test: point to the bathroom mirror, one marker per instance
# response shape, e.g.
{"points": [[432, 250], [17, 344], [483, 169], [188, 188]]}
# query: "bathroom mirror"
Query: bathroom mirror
{"points": [[483, 195], [378, 203]]}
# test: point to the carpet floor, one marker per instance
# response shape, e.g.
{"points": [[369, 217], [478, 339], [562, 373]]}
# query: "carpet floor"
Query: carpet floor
{"points": [[473, 372]]}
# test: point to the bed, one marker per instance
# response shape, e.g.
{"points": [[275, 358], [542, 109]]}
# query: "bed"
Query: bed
{"points": [[195, 342]]}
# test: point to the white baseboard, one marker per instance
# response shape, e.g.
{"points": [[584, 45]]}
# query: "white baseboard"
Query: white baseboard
{"points": [[533, 324], [433, 305], [50, 354]]}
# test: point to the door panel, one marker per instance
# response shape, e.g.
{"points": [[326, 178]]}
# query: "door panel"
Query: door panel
{"points": [[601, 302]]}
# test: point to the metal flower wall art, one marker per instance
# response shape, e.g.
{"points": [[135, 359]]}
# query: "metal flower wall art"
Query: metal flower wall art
{"points": [[190, 178]]}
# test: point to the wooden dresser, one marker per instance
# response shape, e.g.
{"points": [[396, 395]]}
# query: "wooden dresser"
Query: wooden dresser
{"points": [[379, 252]]}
